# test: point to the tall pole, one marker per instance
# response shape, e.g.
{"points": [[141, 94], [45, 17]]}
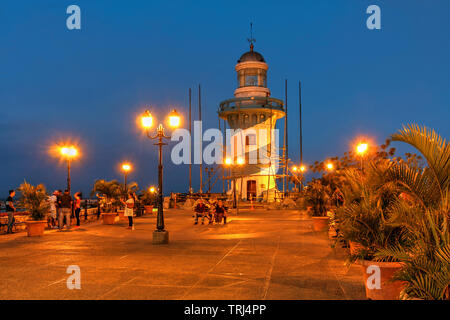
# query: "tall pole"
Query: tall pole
{"points": [[190, 144], [160, 216], [223, 155], [286, 187], [234, 189], [68, 176], [200, 118], [301, 130], [126, 187]]}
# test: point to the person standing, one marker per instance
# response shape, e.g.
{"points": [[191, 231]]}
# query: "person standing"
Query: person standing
{"points": [[10, 209], [58, 205], [53, 208], [129, 210], [77, 206], [66, 209]]}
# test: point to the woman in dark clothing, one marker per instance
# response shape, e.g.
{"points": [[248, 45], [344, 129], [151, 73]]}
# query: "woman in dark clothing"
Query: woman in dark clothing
{"points": [[77, 206]]}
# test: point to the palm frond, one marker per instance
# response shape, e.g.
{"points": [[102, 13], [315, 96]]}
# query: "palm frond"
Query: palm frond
{"points": [[433, 147]]}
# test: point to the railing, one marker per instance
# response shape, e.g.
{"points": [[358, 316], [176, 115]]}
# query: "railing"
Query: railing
{"points": [[251, 102]]}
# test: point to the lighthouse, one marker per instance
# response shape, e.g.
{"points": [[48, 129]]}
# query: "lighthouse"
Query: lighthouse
{"points": [[252, 115]]}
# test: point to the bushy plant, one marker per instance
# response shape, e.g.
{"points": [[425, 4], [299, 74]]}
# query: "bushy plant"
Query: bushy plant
{"points": [[317, 196], [425, 216], [110, 193], [148, 198], [34, 200], [365, 218]]}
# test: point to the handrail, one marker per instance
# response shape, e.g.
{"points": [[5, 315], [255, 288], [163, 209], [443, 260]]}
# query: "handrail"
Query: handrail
{"points": [[243, 102]]}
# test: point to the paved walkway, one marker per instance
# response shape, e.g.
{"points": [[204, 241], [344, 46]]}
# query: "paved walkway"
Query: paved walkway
{"points": [[257, 255]]}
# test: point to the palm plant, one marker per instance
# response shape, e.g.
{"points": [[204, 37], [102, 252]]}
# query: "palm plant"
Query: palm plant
{"points": [[426, 216], [111, 191], [365, 217], [317, 195], [148, 198], [34, 200]]}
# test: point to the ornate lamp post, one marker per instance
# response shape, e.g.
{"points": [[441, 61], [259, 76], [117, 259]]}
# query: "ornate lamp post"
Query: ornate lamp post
{"points": [[160, 236], [299, 171], [240, 162]]}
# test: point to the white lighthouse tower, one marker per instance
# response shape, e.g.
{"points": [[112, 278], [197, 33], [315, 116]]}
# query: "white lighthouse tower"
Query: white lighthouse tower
{"points": [[252, 113]]}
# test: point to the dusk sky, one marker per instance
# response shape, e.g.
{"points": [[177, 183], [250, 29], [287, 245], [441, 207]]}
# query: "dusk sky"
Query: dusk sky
{"points": [[89, 85]]}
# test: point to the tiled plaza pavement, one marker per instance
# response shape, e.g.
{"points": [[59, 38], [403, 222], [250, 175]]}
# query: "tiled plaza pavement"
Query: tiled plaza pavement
{"points": [[257, 255]]}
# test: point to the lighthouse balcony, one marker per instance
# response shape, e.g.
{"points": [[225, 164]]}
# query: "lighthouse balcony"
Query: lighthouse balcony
{"points": [[250, 103]]}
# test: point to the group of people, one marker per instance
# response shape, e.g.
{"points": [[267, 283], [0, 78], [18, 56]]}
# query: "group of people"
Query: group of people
{"points": [[214, 213], [61, 205], [60, 209]]}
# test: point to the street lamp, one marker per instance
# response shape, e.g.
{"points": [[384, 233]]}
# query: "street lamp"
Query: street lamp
{"points": [[361, 149], [330, 166], [298, 170], [239, 161], [68, 153], [160, 235], [126, 167]]}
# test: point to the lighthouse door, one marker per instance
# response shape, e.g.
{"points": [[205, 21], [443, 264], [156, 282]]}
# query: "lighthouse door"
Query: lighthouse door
{"points": [[251, 189]]}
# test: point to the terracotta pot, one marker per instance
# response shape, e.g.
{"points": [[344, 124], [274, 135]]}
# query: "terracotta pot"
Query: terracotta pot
{"points": [[320, 223], [122, 215], [355, 247], [35, 228], [332, 233], [148, 209], [383, 289], [109, 218]]}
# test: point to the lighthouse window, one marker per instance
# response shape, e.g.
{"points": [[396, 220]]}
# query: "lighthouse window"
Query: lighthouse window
{"points": [[262, 76], [251, 77], [251, 80]]}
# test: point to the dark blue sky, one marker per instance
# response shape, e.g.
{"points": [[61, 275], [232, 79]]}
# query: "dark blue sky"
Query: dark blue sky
{"points": [[90, 84]]}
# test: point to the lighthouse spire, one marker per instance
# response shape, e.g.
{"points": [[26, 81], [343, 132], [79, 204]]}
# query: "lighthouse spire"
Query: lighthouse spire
{"points": [[251, 40]]}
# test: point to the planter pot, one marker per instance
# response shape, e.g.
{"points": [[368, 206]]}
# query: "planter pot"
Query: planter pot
{"points": [[109, 218], [377, 276], [332, 233], [320, 223], [355, 247], [35, 228], [148, 209], [122, 215]]}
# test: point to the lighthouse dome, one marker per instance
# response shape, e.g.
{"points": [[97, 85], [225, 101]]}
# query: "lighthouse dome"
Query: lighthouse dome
{"points": [[251, 56]]}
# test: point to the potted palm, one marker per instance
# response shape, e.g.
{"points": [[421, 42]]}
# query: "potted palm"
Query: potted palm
{"points": [[148, 200], [34, 200], [316, 196], [367, 221], [425, 216], [109, 193]]}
